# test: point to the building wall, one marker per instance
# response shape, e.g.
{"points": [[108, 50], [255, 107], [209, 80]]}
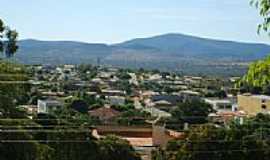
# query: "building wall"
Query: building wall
{"points": [[42, 108], [125, 131], [252, 105], [160, 138], [220, 105], [47, 106], [115, 100]]}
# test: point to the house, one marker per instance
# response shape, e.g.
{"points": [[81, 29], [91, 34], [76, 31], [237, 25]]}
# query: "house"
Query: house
{"points": [[116, 100], [69, 67], [161, 136], [189, 95], [173, 99], [139, 137], [220, 104], [30, 109], [254, 104], [97, 81], [53, 94], [104, 114], [163, 105], [142, 138], [155, 77], [148, 94], [155, 112], [133, 79], [105, 75], [106, 92], [48, 106], [226, 117]]}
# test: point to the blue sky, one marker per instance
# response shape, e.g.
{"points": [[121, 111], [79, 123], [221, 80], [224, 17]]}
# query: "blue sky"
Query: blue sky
{"points": [[113, 21]]}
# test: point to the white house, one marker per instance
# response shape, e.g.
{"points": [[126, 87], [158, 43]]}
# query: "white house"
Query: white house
{"points": [[116, 100], [47, 106], [220, 104]]}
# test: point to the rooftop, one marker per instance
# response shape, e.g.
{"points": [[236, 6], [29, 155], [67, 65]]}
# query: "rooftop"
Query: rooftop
{"points": [[216, 100], [257, 96], [261, 97]]}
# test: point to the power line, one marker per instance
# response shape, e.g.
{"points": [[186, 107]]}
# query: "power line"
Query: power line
{"points": [[44, 141], [44, 131]]}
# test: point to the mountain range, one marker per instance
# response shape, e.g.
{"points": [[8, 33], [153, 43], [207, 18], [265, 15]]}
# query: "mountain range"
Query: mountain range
{"points": [[169, 51]]}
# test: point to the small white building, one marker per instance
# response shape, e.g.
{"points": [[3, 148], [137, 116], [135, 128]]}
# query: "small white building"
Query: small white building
{"points": [[189, 95], [155, 112], [116, 100], [47, 106], [220, 104], [133, 79], [155, 77]]}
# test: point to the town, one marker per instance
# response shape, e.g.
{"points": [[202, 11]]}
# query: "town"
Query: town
{"points": [[146, 108], [135, 80]]}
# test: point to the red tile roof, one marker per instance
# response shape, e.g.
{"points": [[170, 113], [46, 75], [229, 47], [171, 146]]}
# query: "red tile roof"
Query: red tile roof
{"points": [[104, 113]]}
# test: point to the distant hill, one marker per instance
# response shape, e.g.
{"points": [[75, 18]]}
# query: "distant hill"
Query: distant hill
{"points": [[55, 52], [169, 51], [190, 46]]}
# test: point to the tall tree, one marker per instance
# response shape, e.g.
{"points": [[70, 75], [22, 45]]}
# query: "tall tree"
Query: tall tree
{"points": [[194, 112], [246, 141], [8, 40], [264, 8]]}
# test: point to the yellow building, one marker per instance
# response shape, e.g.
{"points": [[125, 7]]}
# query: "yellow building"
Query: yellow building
{"points": [[253, 104]]}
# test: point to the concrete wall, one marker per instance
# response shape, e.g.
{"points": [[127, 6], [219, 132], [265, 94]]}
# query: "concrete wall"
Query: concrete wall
{"points": [[160, 138], [252, 104], [124, 131]]}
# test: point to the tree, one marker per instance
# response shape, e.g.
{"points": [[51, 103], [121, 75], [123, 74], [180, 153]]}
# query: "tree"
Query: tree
{"points": [[113, 148], [123, 75], [124, 85], [258, 75], [133, 117], [80, 106], [246, 141], [8, 108], [11, 72], [264, 7], [257, 78], [8, 40], [194, 112], [20, 144], [87, 71]]}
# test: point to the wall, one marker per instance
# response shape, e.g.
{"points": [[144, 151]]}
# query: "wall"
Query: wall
{"points": [[252, 105]]}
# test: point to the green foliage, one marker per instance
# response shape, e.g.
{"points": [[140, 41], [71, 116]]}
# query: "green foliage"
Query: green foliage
{"points": [[64, 135], [8, 40], [135, 113], [10, 149], [257, 79], [125, 107], [77, 144], [113, 148], [248, 141], [123, 75], [258, 73], [12, 93], [217, 93], [87, 71], [154, 86], [92, 101], [133, 117], [194, 112], [80, 106], [8, 107], [124, 84], [264, 7]]}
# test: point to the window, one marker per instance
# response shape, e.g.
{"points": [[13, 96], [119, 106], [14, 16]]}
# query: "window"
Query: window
{"points": [[264, 106]]}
